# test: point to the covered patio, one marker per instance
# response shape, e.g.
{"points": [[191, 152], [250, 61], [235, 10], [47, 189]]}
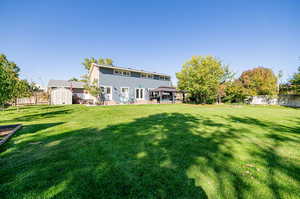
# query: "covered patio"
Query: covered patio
{"points": [[164, 94]]}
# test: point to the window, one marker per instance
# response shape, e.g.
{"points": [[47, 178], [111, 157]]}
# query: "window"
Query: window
{"points": [[167, 78], [122, 72], [117, 72], [126, 73], [107, 92], [150, 76], [139, 93], [145, 75], [125, 92]]}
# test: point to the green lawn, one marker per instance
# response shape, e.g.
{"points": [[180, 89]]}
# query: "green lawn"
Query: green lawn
{"points": [[152, 151]]}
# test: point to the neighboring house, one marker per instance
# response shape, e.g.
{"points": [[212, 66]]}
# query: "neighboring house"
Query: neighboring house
{"points": [[64, 92], [126, 85]]}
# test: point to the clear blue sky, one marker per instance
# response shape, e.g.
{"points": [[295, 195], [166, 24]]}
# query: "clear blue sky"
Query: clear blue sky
{"points": [[50, 39]]}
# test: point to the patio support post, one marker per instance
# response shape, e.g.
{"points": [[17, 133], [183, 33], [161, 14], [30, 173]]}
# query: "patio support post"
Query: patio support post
{"points": [[173, 97], [160, 97]]}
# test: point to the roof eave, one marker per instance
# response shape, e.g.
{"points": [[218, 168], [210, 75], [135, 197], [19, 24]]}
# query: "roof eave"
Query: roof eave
{"points": [[130, 69]]}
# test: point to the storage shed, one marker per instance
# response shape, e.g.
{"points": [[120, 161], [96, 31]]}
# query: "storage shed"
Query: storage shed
{"points": [[63, 92], [61, 96]]}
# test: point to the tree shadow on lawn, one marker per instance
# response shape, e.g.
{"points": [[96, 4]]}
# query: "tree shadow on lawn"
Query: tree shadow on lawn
{"points": [[266, 124], [29, 108], [269, 155], [161, 156], [28, 129], [39, 115]]}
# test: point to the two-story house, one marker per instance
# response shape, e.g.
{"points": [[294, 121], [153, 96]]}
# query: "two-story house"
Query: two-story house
{"points": [[126, 85]]}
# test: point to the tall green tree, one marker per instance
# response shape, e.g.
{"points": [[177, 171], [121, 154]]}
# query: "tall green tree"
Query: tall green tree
{"points": [[21, 89], [108, 61], [11, 86], [89, 61], [234, 91], [295, 80], [9, 73], [226, 79], [201, 77], [74, 79], [259, 81], [293, 86]]}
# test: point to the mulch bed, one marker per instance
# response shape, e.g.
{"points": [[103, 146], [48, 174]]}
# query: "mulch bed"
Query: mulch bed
{"points": [[7, 131]]}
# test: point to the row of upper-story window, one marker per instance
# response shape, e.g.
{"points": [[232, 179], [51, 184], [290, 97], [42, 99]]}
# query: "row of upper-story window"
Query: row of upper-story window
{"points": [[142, 75]]}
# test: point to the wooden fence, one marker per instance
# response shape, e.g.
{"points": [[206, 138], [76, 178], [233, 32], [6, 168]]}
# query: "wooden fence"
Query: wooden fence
{"points": [[37, 98]]}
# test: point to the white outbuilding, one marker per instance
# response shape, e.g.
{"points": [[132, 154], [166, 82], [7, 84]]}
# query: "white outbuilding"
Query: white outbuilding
{"points": [[60, 96], [63, 92]]}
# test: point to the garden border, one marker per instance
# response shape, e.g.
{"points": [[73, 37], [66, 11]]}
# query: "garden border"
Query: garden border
{"points": [[14, 127]]}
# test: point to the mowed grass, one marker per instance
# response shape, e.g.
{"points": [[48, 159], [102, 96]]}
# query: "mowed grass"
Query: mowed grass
{"points": [[152, 151]]}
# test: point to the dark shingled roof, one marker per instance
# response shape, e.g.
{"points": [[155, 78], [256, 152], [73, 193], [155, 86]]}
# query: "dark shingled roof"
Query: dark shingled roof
{"points": [[65, 84], [130, 69], [164, 89]]}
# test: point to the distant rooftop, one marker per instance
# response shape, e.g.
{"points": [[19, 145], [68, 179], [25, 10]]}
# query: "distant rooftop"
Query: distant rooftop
{"points": [[130, 69], [65, 84]]}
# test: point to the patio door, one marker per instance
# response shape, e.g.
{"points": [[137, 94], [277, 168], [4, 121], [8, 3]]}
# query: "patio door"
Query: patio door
{"points": [[125, 94], [107, 92], [139, 93]]}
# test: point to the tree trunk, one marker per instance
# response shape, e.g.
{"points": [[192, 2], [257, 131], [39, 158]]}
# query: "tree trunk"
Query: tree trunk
{"points": [[36, 100], [198, 99], [219, 99]]}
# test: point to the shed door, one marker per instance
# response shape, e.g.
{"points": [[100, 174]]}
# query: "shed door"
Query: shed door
{"points": [[61, 96]]}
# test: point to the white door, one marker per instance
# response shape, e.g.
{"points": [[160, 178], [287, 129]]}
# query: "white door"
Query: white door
{"points": [[139, 93], [107, 92], [61, 96], [124, 94]]}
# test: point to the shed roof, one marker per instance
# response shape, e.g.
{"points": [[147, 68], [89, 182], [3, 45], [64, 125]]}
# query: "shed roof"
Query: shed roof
{"points": [[66, 84]]}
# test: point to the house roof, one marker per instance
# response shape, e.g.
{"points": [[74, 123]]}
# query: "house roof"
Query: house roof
{"points": [[164, 89], [130, 69], [66, 84]]}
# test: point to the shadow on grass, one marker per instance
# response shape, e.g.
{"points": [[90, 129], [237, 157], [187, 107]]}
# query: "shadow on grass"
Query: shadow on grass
{"points": [[266, 124], [268, 155], [39, 115], [28, 129], [152, 157]]}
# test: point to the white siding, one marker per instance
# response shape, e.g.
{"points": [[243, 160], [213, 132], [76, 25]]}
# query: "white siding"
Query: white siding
{"points": [[61, 96], [94, 75]]}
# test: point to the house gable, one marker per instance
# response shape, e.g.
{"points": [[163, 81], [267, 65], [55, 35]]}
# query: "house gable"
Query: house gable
{"points": [[94, 74]]}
